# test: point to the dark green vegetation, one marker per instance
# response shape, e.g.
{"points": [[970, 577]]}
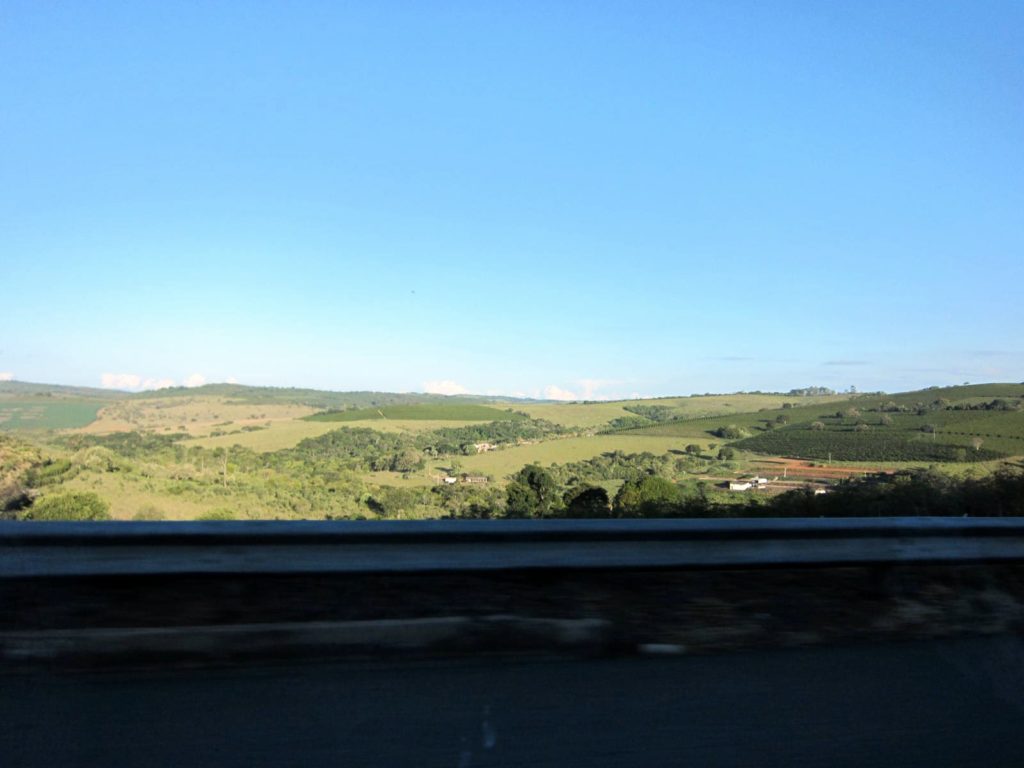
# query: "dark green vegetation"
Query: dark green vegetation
{"points": [[534, 492], [68, 506], [361, 448], [421, 412]]}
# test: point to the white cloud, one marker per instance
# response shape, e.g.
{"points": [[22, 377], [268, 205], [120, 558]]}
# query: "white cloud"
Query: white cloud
{"points": [[590, 386], [120, 381], [195, 380], [157, 383], [551, 392], [444, 387], [6, 376], [230, 380]]}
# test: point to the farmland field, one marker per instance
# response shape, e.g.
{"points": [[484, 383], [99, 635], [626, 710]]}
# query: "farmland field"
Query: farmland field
{"points": [[598, 414], [47, 413]]}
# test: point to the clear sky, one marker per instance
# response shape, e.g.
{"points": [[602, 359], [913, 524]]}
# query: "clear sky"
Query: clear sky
{"points": [[578, 199]]}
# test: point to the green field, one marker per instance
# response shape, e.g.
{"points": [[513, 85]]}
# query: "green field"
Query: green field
{"points": [[427, 411], [47, 413]]}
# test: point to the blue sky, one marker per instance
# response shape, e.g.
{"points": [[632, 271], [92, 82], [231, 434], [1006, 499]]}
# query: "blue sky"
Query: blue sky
{"points": [[561, 199]]}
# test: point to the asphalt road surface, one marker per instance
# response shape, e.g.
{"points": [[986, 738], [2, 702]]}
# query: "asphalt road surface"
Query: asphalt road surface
{"points": [[947, 703]]}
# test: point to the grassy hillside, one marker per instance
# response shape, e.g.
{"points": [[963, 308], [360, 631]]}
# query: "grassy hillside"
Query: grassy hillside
{"points": [[195, 415]]}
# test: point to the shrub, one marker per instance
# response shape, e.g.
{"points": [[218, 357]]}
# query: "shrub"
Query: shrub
{"points": [[68, 506], [731, 432], [149, 513], [217, 514]]}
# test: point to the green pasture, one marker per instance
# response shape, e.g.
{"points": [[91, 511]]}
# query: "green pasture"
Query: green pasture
{"points": [[40, 413]]}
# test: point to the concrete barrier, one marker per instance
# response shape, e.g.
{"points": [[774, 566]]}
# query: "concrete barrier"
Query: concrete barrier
{"points": [[79, 549]]}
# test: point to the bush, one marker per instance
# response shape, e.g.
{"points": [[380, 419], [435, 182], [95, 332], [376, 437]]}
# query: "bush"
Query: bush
{"points": [[217, 514], [68, 506], [731, 432], [149, 513]]}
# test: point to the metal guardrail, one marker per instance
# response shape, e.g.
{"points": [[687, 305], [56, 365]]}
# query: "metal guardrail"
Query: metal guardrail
{"points": [[81, 549]]}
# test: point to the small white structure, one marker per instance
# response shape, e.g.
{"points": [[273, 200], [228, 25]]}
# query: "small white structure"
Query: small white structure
{"points": [[484, 447], [759, 482], [820, 491], [740, 485], [451, 480]]}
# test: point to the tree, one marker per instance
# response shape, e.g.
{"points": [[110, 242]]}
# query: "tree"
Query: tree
{"points": [[587, 501], [532, 492], [68, 506], [976, 443], [408, 460], [693, 449], [885, 420], [649, 496], [725, 453], [817, 426]]}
